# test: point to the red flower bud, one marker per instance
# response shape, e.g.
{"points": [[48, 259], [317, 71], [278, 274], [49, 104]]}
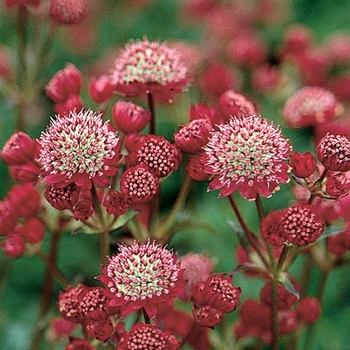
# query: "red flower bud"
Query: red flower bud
{"points": [[33, 230], [25, 172], [303, 165], [101, 90], [129, 117], [72, 103], [14, 245], [116, 203], [19, 149], [309, 309], [208, 316], [287, 321], [101, 330], [64, 83], [68, 11], [337, 185], [83, 210], [62, 197], [8, 217], [195, 169]]}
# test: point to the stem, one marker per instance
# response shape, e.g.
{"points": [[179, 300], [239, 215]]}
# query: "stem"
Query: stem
{"points": [[305, 276], [151, 107], [46, 294], [322, 177], [104, 246], [259, 207], [252, 239], [275, 333], [282, 259], [53, 268], [146, 317], [97, 205]]}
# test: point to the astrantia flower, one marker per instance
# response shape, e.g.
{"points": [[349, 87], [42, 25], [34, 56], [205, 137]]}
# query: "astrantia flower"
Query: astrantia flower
{"points": [[68, 303], [271, 229], [143, 276], [62, 197], [309, 106], [148, 337], [151, 68], [161, 156], [333, 151], [301, 225], [79, 148], [247, 154]]}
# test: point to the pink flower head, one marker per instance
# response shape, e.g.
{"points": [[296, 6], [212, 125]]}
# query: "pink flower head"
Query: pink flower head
{"points": [[62, 197], [143, 276], [64, 83], [247, 154], [310, 106], [129, 117], [151, 68], [19, 149], [271, 229], [232, 103], [147, 337], [301, 225], [79, 148], [68, 11], [193, 136], [333, 151], [138, 184], [161, 156]]}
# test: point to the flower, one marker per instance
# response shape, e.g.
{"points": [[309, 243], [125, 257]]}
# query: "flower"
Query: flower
{"points": [[68, 303], [161, 156], [79, 148], [333, 151], [68, 11], [116, 203], [148, 337], [143, 276], [139, 185], [271, 229], [303, 165], [100, 90], [62, 197], [301, 225], [129, 117], [309, 106], [151, 68], [337, 185], [247, 154]]}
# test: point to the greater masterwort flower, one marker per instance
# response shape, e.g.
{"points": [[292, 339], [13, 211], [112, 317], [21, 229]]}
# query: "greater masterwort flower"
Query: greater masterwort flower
{"points": [[247, 154], [151, 68], [143, 276], [79, 148]]}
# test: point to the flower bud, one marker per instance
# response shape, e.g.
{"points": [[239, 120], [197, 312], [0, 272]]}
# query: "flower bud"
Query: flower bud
{"points": [[195, 169], [116, 203], [337, 185], [83, 210], [28, 172], [68, 11], [101, 90], [208, 316], [72, 103], [13, 245], [8, 217], [101, 330], [33, 230], [129, 117], [64, 83], [303, 165], [309, 309], [62, 197], [19, 149], [287, 321]]}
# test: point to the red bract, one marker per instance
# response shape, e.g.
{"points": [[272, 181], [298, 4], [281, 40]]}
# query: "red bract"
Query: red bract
{"points": [[101, 90], [271, 229], [72, 103], [303, 165], [310, 106], [101, 330], [193, 136], [301, 225], [79, 148], [68, 11], [129, 117], [333, 151], [337, 185], [19, 149], [64, 83], [148, 336], [62, 197], [158, 154], [138, 184], [247, 154], [28, 172], [145, 67], [143, 276], [195, 168]]}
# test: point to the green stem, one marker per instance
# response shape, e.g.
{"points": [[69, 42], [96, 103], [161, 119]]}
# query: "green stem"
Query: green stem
{"points": [[259, 207], [105, 246], [282, 259], [251, 238], [151, 107], [53, 268], [46, 294]]}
